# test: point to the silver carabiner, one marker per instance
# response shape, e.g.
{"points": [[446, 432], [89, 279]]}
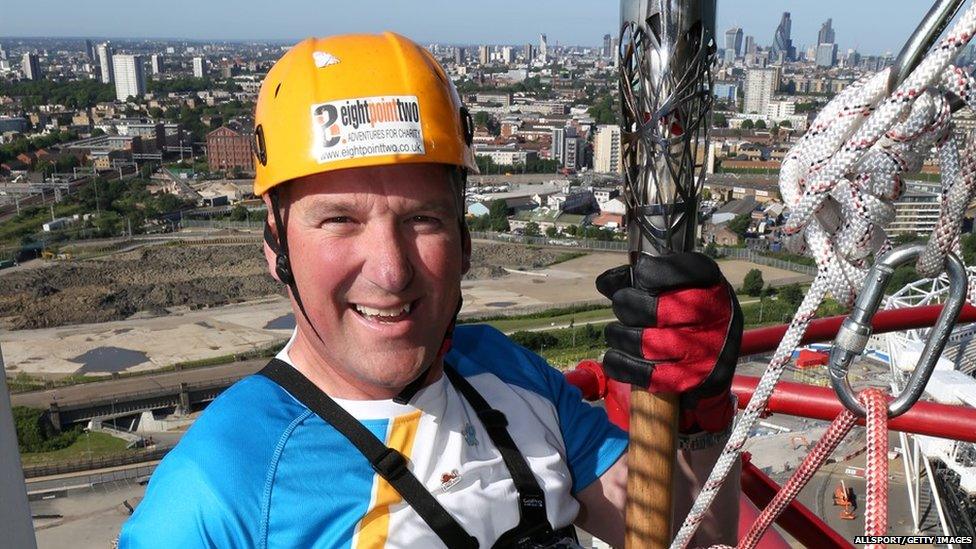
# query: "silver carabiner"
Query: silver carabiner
{"points": [[854, 332]]}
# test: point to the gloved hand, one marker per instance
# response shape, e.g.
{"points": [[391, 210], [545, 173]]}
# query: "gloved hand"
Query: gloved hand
{"points": [[679, 331]]}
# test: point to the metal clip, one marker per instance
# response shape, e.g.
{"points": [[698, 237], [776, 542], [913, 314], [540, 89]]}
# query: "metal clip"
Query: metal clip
{"points": [[856, 329]]}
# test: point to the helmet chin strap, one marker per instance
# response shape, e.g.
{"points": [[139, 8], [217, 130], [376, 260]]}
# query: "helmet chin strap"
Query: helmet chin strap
{"points": [[283, 269]]}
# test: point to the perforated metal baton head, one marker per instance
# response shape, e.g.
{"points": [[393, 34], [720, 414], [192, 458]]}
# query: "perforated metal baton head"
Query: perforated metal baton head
{"points": [[665, 56]]}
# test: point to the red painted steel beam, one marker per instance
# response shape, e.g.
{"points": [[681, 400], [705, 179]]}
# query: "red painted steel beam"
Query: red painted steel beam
{"points": [[797, 519], [764, 340], [924, 418]]}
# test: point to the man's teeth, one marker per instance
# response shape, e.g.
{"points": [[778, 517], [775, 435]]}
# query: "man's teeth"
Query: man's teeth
{"points": [[369, 311]]}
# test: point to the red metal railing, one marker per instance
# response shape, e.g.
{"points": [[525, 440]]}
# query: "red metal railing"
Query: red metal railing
{"points": [[926, 418]]}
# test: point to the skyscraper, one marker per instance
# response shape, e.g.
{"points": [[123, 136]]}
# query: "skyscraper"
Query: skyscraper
{"points": [[826, 55], [543, 48], [30, 66], [3, 54], [761, 84], [90, 50], [826, 34], [606, 149], [782, 44], [507, 56], [105, 62], [130, 76], [199, 68], [483, 55], [750, 47], [733, 40], [558, 145], [458, 55], [527, 53], [156, 63], [607, 47]]}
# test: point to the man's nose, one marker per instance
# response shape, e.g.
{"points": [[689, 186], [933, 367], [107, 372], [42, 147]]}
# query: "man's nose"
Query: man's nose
{"points": [[387, 262]]}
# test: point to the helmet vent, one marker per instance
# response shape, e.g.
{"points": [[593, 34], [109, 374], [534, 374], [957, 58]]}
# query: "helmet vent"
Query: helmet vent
{"points": [[260, 151], [278, 87]]}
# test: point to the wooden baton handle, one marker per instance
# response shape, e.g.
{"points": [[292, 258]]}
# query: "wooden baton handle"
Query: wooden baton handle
{"points": [[650, 460]]}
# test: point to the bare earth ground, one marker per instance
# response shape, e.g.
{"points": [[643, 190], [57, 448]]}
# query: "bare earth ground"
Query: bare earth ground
{"points": [[158, 306]]}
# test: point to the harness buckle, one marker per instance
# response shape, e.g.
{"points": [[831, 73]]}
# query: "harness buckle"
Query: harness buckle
{"points": [[390, 464], [855, 331]]}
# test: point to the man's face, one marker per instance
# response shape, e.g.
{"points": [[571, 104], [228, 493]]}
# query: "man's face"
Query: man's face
{"points": [[377, 254]]}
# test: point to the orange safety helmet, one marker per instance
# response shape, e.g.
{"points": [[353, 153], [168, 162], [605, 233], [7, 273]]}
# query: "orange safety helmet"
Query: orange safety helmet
{"points": [[357, 100]]}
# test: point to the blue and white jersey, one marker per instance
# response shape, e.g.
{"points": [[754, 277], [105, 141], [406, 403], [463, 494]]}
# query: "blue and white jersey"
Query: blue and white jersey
{"points": [[259, 469]]}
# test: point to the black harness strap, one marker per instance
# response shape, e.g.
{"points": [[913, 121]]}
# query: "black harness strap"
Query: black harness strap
{"points": [[533, 522], [387, 462]]}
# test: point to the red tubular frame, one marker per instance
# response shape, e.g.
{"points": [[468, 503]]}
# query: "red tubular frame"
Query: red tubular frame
{"points": [[926, 418]]}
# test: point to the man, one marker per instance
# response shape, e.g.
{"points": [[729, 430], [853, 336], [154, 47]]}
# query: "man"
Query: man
{"points": [[379, 423]]}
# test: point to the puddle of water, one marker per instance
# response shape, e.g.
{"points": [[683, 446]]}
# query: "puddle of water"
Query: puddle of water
{"points": [[108, 360], [286, 322], [500, 304]]}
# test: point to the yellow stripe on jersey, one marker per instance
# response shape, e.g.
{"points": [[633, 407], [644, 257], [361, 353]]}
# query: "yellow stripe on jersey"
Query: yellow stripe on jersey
{"points": [[374, 526]]}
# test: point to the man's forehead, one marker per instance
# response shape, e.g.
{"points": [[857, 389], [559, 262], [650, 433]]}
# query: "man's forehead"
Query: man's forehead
{"points": [[408, 183]]}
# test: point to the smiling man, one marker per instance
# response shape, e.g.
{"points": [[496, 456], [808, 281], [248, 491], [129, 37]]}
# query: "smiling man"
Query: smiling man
{"points": [[380, 424]]}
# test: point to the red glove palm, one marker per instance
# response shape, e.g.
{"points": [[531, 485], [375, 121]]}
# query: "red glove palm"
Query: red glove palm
{"points": [[679, 331]]}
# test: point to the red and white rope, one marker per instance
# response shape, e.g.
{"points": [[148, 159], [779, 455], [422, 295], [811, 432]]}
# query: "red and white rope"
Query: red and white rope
{"points": [[839, 183], [875, 516]]}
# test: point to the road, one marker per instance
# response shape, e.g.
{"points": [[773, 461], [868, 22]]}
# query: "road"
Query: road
{"points": [[86, 392]]}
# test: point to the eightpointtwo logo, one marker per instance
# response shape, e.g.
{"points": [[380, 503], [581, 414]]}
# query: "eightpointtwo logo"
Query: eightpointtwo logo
{"points": [[384, 120]]}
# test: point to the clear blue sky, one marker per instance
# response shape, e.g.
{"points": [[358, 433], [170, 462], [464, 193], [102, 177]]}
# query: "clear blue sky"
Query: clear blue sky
{"points": [[583, 22]]}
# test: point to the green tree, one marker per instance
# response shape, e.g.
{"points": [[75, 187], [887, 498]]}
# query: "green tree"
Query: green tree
{"points": [[535, 341], [532, 229], [753, 283], [552, 231], [760, 124], [238, 213], [792, 294], [719, 120], [902, 276], [35, 433], [711, 250], [740, 224], [747, 124], [603, 110]]}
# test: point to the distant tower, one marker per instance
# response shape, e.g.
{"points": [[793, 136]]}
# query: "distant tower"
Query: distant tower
{"points": [[507, 56], [30, 66], [105, 62], [527, 53], [750, 45], [782, 44], [483, 56], [826, 34], [156, 63], [543, 48], [199, 68], [90, 50], [130, 76], [733, 40], [458, 55], [607, 46]]}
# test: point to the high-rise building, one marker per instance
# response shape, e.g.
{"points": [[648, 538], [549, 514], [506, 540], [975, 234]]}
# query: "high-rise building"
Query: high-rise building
{"points": [[543, 48], [750, 45], [558, 144], [826, 34], [571, 151], [782, 44], [199, 67], [156, 63], [507, 55], [826, 55], [3, 54], [105, 62], [607, 46], [130, 76], [30, 66], [90, 50], [613, 48], [607, 155], [527, 53], [483, 55], [761, 84], [733, 41]]}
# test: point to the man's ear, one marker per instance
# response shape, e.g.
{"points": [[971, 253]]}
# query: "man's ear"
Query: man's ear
{"points": [[269, 255], [465, 248]]}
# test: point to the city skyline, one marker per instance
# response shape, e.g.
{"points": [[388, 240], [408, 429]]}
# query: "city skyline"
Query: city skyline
{"points": [[567, 22]]}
